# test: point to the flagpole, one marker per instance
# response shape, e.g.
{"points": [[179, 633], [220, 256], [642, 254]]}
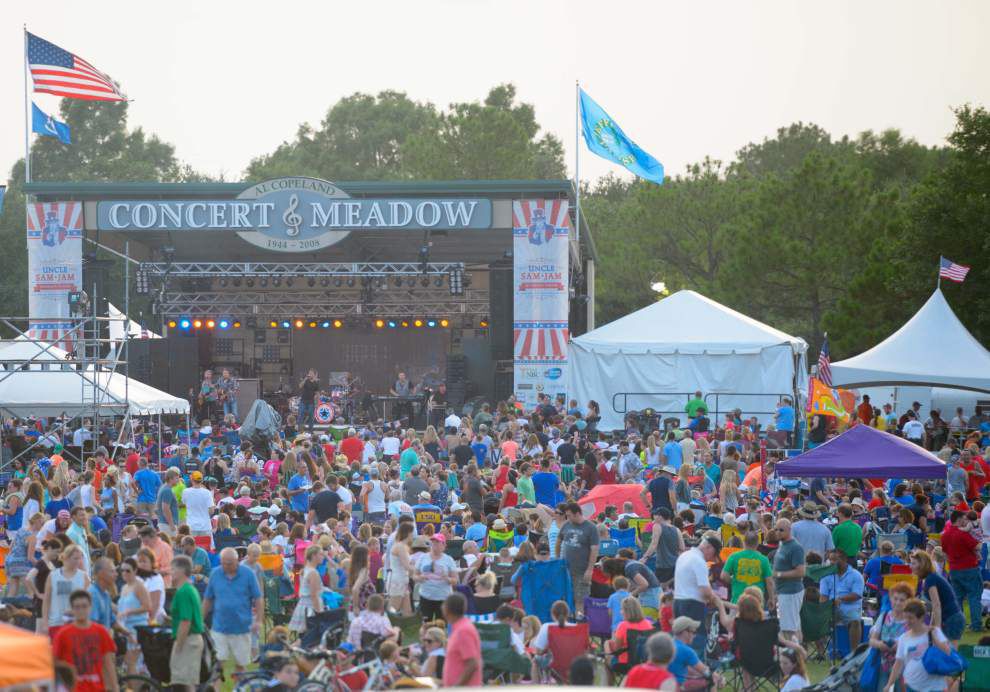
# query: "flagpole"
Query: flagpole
{"points": [[577, 162], [938, 281], [27, 114]]}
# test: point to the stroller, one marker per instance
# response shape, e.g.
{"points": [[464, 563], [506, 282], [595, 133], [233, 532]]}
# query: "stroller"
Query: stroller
{"points": [[844, 677]]}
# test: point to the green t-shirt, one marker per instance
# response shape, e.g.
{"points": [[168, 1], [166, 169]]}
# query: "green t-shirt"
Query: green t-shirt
{"points": [[748, 568], [186, 606], [524, 486], [693, 406], [848, 537]]}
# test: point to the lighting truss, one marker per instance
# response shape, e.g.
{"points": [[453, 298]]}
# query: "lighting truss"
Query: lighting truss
{"points": [[393, 302], [296, 269]]}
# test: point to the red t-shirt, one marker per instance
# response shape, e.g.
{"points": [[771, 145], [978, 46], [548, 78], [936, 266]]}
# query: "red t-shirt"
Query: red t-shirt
{"points": [[606, 476], [960, 548], [131, 463], [352, 448], [974, 482], [874, 503], [667, 618], [463, 645], [329, 450], [647, 676], [501, 477], [84, 648]]}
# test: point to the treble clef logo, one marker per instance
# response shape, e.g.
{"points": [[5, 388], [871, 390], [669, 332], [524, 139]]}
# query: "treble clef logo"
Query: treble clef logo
{"points": [[291, 219]]}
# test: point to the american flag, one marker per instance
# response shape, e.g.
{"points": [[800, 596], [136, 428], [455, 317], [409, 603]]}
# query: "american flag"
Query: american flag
{"points": [[59, 72], [825, 364], [947, 269]]}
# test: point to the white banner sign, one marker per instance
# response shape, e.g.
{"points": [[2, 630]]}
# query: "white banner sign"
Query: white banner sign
{"points": [[54, 241], [540, 229]]}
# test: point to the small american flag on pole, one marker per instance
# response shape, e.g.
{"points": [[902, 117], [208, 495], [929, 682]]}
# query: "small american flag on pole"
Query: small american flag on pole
{"points": [[947, 269], [825, 364], [57, 71]]}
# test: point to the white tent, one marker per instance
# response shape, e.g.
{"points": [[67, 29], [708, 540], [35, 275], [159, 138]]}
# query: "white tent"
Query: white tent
{"points": [[135, 330], [46, 387], [656, 357], [932, 349]]}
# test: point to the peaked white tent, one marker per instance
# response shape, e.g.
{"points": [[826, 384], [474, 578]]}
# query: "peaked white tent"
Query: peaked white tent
{"points": [[933, 348], [135, 330], [657, 356]]}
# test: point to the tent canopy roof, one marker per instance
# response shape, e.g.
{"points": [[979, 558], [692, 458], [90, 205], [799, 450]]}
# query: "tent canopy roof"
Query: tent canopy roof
{"points": [[686, 322], [864, 452], [932, 349]]}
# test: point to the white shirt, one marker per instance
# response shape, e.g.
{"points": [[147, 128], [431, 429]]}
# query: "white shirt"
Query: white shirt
{"points": [[368, 455], [910, 650], [985, 523], [198, 502], [344, 493], [688, 448], [80, 435], [690, 574], [913, 430], [390, 446], [452, 421]]}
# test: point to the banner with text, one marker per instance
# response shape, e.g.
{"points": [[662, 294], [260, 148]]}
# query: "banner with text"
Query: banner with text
{"points": [[54, 241], [540, 230]]}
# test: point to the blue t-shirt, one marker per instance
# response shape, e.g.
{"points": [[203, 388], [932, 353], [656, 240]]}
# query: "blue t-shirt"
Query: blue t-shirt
{"points": [[785, 419], [233, 599], [545, 485], [946, 595], [300, 502], [659, 489], [54, 506], [476, 532], [148, 483], [96, 524], [684, 658], [615, 607], [672, 450], [873, 568], [480, 450]]}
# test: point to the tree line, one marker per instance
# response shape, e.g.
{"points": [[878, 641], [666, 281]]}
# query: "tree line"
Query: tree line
{"points": [[805, 231]]}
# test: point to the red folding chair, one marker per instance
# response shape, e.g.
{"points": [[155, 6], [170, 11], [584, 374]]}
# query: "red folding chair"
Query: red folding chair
{"points": [[566, 644]]}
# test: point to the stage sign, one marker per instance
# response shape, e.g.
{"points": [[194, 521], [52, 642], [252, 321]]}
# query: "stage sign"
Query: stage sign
{"points": [[294, 214], [54, 242], [540, 255]]}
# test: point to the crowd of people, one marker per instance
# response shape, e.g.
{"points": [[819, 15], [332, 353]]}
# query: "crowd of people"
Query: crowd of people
{"points": [[453, 525]]}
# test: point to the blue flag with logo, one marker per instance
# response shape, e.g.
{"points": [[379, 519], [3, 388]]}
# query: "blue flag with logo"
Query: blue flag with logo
{"points": [[44, 124], [605, 138], [3, 190]]}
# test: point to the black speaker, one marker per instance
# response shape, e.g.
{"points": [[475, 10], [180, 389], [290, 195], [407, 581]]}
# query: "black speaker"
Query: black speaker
{"points": [[500, 312], [148, 362], [183, 359]]}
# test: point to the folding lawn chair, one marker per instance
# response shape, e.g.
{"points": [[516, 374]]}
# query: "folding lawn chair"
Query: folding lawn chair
{"points": [[565, 644], [977, 674], [408, 625], [497, 653], [817, 623], [598, 618], [635, 652], [756, 665]]}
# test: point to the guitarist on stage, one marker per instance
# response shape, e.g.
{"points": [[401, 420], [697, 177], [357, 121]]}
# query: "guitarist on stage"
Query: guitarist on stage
{"points": [[227, 389]]}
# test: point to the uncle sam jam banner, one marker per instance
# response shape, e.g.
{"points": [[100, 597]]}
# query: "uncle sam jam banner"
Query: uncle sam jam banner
{"points": [[54, 241], [540, 233]]}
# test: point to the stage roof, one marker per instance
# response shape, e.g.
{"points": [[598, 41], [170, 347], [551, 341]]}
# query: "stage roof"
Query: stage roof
{"points": [[470, 247]]}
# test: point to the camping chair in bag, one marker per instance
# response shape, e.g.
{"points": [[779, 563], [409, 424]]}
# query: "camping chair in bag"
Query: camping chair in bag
{"points": [[499, 657], [756, 665], [599, 619], [977, 674], [565, 644], [408, 625]]}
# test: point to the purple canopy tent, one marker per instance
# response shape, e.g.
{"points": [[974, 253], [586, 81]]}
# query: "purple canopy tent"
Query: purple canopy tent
{"points": [[864, 452]]}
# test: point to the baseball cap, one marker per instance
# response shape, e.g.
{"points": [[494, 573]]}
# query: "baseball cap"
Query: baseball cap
{"points": [[424, 495], [196, 476], [439, 537], [684, 623]]}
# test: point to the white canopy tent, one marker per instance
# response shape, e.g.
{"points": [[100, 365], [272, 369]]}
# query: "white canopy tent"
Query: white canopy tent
{"points": [[657, 356], [134, 330], [933, 349]]}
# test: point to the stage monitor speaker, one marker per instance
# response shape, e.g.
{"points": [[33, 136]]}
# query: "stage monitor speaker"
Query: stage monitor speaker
{"points": [[249, 392], [500, 311], [183, 359]]}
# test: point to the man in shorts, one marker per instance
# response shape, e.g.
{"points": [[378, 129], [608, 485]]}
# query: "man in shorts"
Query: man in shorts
{"points": [[234, 597], [788, 575], [187, 627]]}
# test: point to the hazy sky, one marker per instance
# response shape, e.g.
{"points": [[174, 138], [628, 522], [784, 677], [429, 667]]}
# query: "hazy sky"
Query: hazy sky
{"points": [[225, 81]]}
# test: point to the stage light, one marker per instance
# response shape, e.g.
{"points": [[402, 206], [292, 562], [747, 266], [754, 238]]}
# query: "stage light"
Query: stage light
{"points": [[417, 323], [325, 324], [276, 282], [223, 324], [237, 283], [223, 283], [425, 281], [438, 282], [404, 323], [263, 282], [250, 282], [379, 283], [299, 324], [171, 324], [411, 282], [325, 282], [273, 324], [392, 324], [286, 324], [337, 324], [398, 282], [197, 324], [312, 325], [483, 324], [350, 282], [338, 282], [237, 325], [431, 323], [289, 282], [184, 323], [311, 282], [456, 281], [379, 323], [444, 323], [210, 324]]}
